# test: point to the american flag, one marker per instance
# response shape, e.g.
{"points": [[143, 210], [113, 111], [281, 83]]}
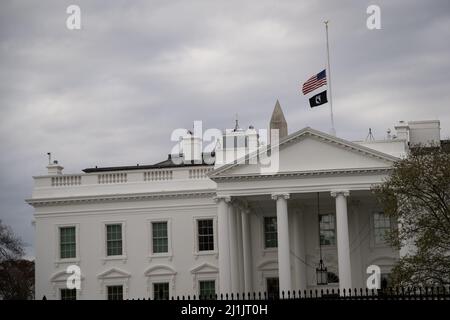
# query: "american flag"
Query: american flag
{"points": [[315, 82]]}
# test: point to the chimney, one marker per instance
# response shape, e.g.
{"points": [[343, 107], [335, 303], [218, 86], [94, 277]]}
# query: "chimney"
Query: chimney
{"points": [[402, 131], [192, 148], [54, 168]]}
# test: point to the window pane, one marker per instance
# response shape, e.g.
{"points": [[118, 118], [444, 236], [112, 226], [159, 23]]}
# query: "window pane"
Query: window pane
{"points": [[205, 235], [207, 289], [114, 239], [382, 225], [272, 287], [327, 229], [270, 232], [161, 291], [67, 242], [115, 292], [68, 294], [160, 239]]}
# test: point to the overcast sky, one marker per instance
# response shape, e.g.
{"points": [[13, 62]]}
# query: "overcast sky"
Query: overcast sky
{"points": [[112, 92]]}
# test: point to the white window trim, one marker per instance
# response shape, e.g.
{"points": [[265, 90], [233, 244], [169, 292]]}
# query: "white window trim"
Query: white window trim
{"points": [[123, 256], [207, 277], [265, 250], [59, 281], [58, 261], [160, 279], [196, 252], [58, 295], [114, 277], [328, 246], [205, 271], [161, 273], [269, 275], [115, 282], [373, 243], [169, 253]]}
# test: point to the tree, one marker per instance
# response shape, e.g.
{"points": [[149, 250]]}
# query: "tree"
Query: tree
{"points": [[417, 196], [16, 274], [11, 246], [17, 279]]}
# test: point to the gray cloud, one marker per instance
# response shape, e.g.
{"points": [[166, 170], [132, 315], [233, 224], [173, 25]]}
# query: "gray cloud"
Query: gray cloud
{"points": [[111, 93]]}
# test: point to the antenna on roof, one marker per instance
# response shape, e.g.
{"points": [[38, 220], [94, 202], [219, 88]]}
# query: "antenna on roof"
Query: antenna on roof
{"points": [[370, 136]]}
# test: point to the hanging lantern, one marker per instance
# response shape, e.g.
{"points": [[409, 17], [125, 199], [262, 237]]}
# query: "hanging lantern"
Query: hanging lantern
{"points": [[322, 274]]}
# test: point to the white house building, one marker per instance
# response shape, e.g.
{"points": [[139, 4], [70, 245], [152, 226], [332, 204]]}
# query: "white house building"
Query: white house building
{"points": [[197, 223]]}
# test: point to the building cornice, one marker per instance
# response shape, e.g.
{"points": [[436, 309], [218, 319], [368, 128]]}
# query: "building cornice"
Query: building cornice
{"points": [[39, 202], [296, 174]]}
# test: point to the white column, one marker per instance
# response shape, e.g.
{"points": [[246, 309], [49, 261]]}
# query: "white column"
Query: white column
{"points": [[233, 250], [343, 244], [240, 251], [284, 252], [247, 254], [299, 249], [224, 244]]}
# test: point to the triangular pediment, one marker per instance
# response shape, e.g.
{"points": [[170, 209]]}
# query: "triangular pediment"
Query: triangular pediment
{"points": [[113, 273], [307, 151], [205, 268]]}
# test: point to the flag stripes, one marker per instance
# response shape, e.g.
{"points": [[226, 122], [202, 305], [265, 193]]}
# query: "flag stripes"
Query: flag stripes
{"points": [[315, 82]]}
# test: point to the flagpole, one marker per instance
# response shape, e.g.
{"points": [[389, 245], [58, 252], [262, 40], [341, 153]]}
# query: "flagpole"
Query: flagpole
{"points": [[333, 130]]}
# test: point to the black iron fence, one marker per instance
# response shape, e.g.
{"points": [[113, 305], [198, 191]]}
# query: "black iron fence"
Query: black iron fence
{"points": [[420, 293]]}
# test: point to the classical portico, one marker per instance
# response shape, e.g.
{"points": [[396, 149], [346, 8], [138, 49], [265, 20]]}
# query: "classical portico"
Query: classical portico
{"points": [[311, 163]]}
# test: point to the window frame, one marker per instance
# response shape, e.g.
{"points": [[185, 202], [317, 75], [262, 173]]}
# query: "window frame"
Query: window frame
{"points": [[265, 248], [334, 230], [158, 282], [58, 259], [197, 252], [374, 241], [107, 286], [105, 256], [206, 236], [60, 294], [169, 253], [202, 280]]}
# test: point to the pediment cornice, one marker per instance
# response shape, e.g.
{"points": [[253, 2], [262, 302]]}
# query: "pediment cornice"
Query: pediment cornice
{"points": [[296, 174]]}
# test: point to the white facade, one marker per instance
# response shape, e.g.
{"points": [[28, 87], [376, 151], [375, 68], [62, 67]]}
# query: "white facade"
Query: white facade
{"points": [[236, 198]]}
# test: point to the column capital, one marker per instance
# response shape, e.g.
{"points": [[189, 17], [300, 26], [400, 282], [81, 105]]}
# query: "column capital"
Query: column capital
{"points": [[335, 193], [219, 198], [276, 196]]}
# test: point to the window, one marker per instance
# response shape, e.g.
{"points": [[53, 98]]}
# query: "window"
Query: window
{"points": [[67, 242], [207, 288], [114, 240], [273, 287], [385, 281], [115, 292], [68, 294], [159, 237], [327, 229], [381, 224], [270, 232], [205, 235], [161, 291]]}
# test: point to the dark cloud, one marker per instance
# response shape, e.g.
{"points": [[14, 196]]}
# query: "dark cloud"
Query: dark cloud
{"points": [[111, 93]]}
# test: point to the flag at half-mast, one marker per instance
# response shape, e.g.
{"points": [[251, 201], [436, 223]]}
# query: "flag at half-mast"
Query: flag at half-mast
{"points": [[314, 83]]}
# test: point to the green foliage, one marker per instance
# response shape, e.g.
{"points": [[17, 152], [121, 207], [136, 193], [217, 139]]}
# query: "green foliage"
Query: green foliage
{"points": [[417, 195]]}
